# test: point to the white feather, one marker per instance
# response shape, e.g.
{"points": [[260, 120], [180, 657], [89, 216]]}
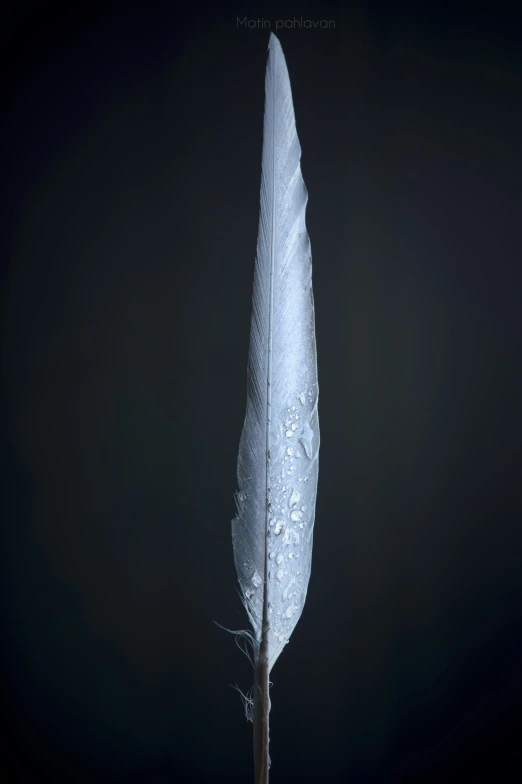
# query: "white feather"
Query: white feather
{"points": [[278, 455]]}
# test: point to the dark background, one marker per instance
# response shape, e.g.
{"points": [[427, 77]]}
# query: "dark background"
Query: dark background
{"points": [[131, 180]]}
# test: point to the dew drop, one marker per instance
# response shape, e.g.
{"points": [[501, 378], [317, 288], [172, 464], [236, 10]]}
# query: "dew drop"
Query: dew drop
{"points": [[294, 498], [257, 581], [302, 398], [280, 559], [305, 443], [280, 575], [279, 526], [295, 516]]}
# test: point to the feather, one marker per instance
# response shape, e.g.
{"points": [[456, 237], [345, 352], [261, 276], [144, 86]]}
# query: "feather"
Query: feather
{"points": [[278, 454]]}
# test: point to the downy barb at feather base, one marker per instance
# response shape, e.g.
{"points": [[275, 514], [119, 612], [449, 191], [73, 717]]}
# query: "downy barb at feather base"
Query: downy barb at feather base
{"points": [[278, 453]]}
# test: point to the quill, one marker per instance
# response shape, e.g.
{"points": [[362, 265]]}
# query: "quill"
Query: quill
{"points": [[278, 453]]}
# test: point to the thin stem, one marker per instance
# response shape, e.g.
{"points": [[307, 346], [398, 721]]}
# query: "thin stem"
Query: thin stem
{"points": [[261, 715]]}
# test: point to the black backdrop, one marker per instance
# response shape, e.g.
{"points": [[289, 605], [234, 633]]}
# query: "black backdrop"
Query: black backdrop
{"points": [[131, 174]]}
